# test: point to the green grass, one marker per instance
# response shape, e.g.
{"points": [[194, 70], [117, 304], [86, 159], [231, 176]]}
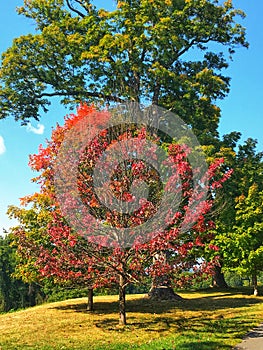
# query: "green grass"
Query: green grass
{"points": [[204, 320]]}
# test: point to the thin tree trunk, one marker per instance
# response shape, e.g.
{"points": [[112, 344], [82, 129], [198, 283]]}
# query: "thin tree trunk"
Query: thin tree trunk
{"points": [[122, 301], [31, 295], [218, 280], [255, 283], [90, 299]]}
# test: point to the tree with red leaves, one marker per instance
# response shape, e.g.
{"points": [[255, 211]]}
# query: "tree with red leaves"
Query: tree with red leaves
{"points": [[99, 232]]}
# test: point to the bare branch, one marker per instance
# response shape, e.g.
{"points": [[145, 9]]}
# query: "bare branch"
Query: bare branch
{"points": [[81, 93], [86, 8], [192, 42], [74, 9]]}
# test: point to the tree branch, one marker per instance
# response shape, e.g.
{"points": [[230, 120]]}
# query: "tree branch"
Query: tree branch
{"points": [[192, 42], [86, 8], [81, 93], [74, 10]]}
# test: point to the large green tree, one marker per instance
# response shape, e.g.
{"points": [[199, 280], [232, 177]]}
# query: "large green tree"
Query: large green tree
{"points": [[247, 163], [166, 52], [244, 244]]}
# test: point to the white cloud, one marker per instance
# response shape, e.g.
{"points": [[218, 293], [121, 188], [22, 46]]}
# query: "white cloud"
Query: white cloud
{"points": [[2, 145], [39, 130]]}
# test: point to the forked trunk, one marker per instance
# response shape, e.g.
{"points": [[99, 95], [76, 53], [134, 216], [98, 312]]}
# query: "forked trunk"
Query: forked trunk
{"points": [[90, 299], [122, 301]]}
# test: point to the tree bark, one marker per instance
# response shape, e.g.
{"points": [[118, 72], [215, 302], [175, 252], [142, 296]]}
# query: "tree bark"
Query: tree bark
{"points": [[90, 299], [31, 295], [122, 301], [161, 288], [218, 280], [255, 283], [160, 293]]}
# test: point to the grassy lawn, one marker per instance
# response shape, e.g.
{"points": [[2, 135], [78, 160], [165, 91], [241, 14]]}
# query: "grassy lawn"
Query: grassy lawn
{"points": [[204, 320]]}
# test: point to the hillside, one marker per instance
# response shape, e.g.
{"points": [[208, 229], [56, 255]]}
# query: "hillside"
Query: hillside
{"points": [[206, 320]]}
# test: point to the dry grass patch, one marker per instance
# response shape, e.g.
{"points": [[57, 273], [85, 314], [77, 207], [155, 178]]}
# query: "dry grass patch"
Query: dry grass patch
{"points": [[202, 321]]}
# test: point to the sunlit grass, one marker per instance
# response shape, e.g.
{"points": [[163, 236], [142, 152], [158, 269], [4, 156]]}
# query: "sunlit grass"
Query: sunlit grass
{"points": [[207, 320]]}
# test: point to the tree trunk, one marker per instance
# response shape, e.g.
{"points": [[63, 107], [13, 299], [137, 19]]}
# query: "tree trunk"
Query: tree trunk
{"points": [[90, 299], [31, 295], [161, 288], [218, 280], [160, 293], [122, 301], [255, 284]]}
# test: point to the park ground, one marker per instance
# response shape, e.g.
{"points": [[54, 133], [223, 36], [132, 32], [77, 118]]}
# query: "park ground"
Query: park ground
{"points": [[204, 320]]}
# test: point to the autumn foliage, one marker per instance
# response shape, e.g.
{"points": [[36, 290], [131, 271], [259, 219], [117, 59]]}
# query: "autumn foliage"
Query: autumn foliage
{"points": [[70, 249]]}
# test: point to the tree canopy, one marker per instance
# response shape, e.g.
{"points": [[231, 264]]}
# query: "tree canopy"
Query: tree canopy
{"points": [[95, 252], [151, 52]]}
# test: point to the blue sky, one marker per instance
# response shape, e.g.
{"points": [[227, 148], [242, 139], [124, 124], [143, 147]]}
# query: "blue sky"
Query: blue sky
{"points": [[241, 110]]}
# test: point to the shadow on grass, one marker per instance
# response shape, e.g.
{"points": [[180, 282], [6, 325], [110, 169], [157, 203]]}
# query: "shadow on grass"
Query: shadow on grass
{"points": [[164, 316], [207, 303], [202, 345], [168, 317], [232, 290], [257, 332], [219, 302]]}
